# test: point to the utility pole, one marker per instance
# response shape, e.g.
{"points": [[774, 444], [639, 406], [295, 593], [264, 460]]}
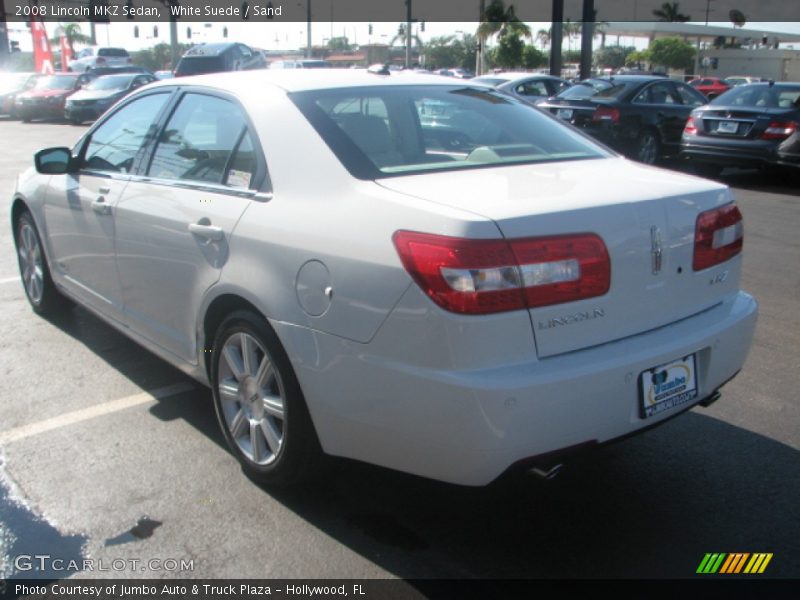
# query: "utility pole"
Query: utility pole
{"points": [[556, 38], [481, 43], [4, 49], [308, 28], [587, 37], [408, 34]]}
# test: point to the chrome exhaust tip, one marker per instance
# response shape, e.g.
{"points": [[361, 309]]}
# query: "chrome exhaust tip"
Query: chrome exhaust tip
{"points": [[546, 473]]}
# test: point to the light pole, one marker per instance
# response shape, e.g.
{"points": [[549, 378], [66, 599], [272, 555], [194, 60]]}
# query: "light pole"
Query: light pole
{"points": [[308, 29]]}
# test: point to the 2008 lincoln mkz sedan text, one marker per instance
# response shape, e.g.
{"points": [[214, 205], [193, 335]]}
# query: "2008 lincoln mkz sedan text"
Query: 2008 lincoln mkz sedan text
{"points": [[410, 271]]}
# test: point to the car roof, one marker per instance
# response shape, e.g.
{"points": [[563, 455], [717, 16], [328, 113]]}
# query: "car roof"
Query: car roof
{"points": [[297, 80], [209, 49], [513, 75]]}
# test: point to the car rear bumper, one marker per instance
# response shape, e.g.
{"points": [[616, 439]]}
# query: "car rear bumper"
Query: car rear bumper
{"points": [[468, 426], [735, 153]]}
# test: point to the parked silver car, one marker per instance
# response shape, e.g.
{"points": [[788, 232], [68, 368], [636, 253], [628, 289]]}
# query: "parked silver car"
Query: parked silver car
{"points": [[99, 56], [411, 271]]}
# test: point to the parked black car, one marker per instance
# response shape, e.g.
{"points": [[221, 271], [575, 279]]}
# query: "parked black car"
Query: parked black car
{"points": [[98, 95], [215, 58], [753, 125], [639, 116]]}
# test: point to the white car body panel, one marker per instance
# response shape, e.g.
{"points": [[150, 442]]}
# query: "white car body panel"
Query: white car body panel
{"points": [[388, 376]]}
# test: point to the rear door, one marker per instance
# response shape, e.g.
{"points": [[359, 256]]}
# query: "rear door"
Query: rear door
{"points": [[661, 107], [175, 219]]}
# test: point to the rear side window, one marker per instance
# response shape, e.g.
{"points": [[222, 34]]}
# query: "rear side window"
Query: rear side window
{"points": [[690, 96], [199, 140], [760, 96], [396, 130], [532, 88], [115, 144]]}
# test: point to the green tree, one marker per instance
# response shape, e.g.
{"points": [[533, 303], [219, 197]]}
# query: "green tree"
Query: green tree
{"points": [[533, 58], [611, 57], [339, 44], [672, 53], [158, 57], [637, 59], [73, 33], [670, 12], [442, 52], [508, 53], [503, 22]]}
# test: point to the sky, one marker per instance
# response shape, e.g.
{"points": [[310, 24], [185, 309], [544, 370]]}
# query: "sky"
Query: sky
{"points": [[292, 35]]}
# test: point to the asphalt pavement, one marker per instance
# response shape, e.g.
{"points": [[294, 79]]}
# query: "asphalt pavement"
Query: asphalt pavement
{"points": [[108, 453]]}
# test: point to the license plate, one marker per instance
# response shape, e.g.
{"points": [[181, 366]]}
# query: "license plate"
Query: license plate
{"points": [[728, 126], [564, 113], [667, 386]]}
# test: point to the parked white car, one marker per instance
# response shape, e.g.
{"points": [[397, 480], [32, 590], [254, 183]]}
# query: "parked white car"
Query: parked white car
{"points": [[446, 296], [98, 56]]}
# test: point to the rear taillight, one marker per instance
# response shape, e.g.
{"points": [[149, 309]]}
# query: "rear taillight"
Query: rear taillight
{"points": [[489, 276], [604, 114], [690, 128], [718, 236], [779, 130]]}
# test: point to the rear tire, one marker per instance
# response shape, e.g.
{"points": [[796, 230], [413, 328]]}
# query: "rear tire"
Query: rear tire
{"points": [[42, 294], [648, 147], [259, 404]]}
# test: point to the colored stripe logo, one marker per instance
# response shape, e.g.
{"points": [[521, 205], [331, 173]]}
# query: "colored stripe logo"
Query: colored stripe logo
{"points": [[734, 563]]}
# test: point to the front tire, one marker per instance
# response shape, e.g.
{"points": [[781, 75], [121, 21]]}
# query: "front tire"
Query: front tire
{"points": [[40, 290], [648, 147], [259, 404]]}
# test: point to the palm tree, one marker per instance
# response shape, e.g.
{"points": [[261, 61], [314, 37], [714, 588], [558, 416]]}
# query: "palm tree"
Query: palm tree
{"points": [[499, 20], [73, 33], [669, 12], [543, 36]]}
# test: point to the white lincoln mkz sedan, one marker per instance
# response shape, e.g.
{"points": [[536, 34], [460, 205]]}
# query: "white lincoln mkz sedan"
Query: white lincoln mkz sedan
{"points": [[410, 271]]}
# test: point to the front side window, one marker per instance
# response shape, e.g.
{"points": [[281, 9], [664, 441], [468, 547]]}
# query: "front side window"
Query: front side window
{"points": [[658, 93], [114, 144], [396, 130], [198, 140]]}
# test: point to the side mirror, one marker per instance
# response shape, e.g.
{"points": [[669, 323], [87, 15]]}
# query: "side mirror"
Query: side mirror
{"points": [[53, 161]]}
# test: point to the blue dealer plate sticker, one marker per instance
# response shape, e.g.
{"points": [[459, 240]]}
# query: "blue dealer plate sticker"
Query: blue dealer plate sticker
{"points": [[668, 386]]}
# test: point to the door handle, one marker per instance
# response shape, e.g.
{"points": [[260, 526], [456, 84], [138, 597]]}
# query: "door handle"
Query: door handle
{"points": [[101, 207], [104, 190], [209, 232]]}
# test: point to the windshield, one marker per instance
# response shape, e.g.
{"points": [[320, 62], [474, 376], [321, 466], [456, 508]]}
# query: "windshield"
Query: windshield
{"points": [[760, 96], [196, 65], [585, 89], [110, 82], [10, 82], [56, 82], [397, 130]]}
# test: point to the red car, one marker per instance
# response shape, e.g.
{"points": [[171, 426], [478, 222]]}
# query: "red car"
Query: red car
{"points": [[46, 99], [710, 86]]}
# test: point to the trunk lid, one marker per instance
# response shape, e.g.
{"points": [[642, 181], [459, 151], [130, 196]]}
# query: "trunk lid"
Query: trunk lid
{"points": [[634, 209]]}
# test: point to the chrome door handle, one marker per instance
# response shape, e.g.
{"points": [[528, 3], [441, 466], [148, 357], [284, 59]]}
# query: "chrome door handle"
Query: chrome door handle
{"points": [[209, 232], [101, 207]]}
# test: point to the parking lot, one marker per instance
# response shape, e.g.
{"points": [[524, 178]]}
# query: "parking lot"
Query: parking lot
{"points": [[107, 453]]}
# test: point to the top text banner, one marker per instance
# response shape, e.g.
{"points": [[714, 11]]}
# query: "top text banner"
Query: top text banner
{"points": [[698, 11]]}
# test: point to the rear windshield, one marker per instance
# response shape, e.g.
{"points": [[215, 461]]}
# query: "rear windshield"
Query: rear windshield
{"points": [[196, 65], [760, 96], [493, 81], [398, 130], [113, 52], [584, 89]]}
